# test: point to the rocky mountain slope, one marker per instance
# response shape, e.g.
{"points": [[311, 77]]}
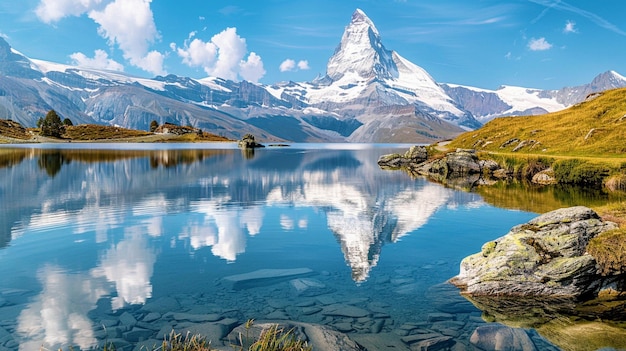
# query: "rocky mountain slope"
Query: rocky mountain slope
{"points": [[517, 101], [368, 94]]}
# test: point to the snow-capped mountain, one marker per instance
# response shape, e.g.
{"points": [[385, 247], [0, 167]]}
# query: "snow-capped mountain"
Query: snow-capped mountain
{"points": [[368, 94], [386, 93], [487, 104]]}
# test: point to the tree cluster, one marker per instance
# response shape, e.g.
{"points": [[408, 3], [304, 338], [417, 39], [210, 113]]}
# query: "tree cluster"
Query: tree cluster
{"points": [[52, 126]]}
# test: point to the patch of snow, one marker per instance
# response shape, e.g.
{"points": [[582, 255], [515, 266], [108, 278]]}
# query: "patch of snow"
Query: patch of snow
{"points": [[421, 85], [519, 98], [211, 83], [522, 99], [95, 74], [315, 111], [277, 92], [618, 76]]}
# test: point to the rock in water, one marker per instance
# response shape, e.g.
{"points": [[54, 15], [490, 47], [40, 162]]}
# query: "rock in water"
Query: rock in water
{"points": [[248, 142], [500, 337], [544, 257], [263, 277], [415, 155]]}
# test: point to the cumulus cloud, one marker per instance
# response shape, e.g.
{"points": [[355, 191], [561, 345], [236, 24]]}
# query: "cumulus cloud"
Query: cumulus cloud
{"points": [[303, 65], [100, 60], [222, 56], [252, 69], [129, 24], [570, 27], [290, 65], [540, 44], [287, 65], [53, 10]]}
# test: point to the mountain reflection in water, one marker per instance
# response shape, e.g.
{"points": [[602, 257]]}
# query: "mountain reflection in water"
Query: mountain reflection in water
{"points": [[96, 188], [97, 232]]}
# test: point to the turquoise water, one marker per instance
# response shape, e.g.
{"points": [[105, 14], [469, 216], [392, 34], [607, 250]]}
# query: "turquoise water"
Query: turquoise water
{"points": [[121, 244]]}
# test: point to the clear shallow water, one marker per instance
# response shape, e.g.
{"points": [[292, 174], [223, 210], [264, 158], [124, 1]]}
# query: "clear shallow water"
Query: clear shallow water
{"points": [[91, 237]]}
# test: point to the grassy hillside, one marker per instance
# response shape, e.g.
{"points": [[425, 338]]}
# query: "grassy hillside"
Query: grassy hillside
{"points": [[13, 130], [596, 127]]}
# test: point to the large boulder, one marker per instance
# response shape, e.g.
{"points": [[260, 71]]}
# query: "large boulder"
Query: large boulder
{"points": [[544, 257], [457, 164]]}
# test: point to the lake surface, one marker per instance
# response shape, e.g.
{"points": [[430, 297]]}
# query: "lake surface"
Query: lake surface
{"points": [[122, 244]]}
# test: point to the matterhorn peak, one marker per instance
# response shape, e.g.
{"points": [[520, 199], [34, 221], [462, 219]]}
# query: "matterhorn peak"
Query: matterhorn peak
{"points": [[361, 53], [359, 18]]}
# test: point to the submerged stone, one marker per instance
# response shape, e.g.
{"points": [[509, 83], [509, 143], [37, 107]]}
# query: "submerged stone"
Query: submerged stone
{"points": [[345, 311], [380, 342], [500, 337], [264, 277]]}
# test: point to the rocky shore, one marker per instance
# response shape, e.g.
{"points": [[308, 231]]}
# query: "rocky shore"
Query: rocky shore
{"points": [[459, 169]]}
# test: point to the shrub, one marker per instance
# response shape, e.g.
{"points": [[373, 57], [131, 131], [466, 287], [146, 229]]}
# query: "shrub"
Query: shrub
{"points": [[609, 250], [534, 166], [575, 171]]}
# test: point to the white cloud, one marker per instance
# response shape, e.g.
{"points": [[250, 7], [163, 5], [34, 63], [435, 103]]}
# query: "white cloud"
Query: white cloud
{"points": [[540, 44], [222, 56], [100, 60], [570, 27], [252, 69], [290, 65], [303, 65], [53, 10], [129, 24], [287, 65]]}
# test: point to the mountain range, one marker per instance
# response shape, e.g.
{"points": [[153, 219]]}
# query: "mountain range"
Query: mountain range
{"points": [[368, 94]]}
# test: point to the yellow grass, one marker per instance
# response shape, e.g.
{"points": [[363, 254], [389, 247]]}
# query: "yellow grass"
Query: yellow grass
{"points": [[594, 128]]}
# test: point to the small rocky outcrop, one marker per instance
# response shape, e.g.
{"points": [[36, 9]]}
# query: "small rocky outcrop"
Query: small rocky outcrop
{"points": [[454, 164], [415, 155], [544, 257], [248, 142], [169, 128], [460, 169]]}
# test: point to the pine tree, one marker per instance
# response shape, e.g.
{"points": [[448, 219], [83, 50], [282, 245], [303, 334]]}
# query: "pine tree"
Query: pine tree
{"points": [[52, 126]]}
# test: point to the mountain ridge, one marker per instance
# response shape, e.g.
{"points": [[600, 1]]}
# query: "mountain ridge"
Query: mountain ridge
{"points": [[368, 94]]}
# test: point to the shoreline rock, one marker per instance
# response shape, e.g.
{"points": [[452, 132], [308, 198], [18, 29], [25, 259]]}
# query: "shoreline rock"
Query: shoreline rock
{"points": [[544, 257], [248, 142], [459, 169]]}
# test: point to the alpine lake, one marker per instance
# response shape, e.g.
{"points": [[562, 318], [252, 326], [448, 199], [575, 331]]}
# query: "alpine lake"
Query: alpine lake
{"points": [[123, 243]]}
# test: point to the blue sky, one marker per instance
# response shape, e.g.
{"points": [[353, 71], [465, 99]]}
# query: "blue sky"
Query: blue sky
{"points": [[484, 43]]}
